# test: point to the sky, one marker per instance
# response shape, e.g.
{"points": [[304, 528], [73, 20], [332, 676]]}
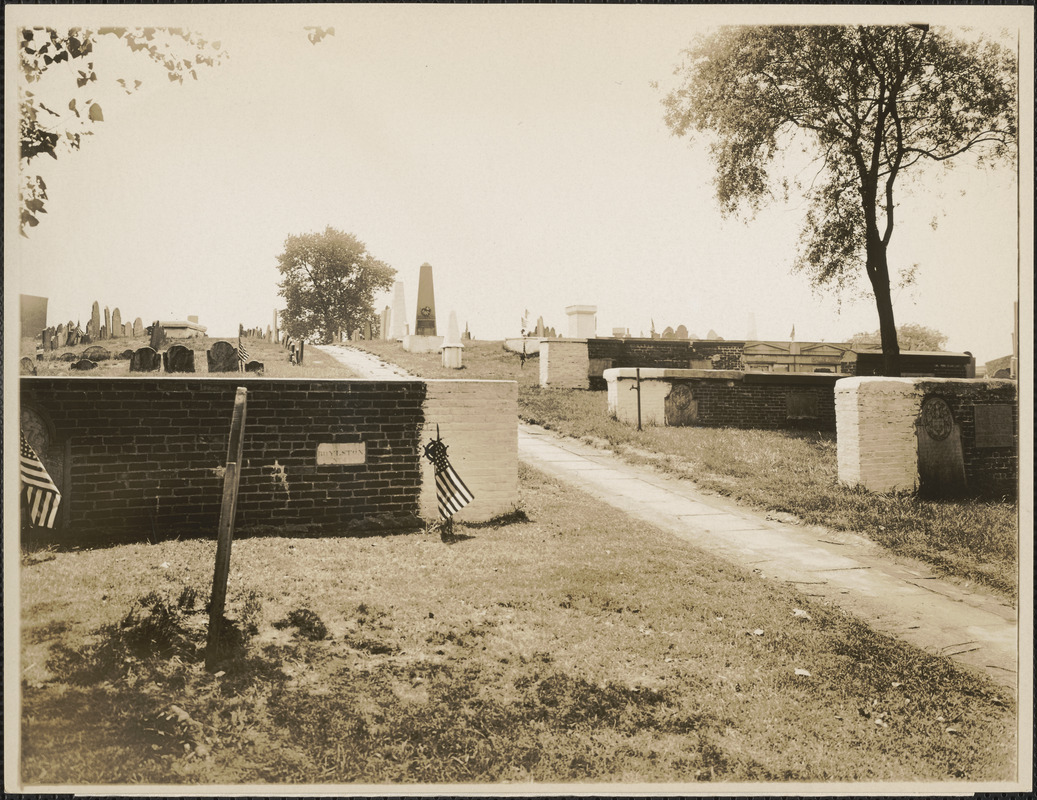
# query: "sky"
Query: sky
{"points": [[520, 150]]}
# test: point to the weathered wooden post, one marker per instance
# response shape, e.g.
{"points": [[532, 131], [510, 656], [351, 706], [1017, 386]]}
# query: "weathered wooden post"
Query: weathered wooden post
{"points": [[226, 529], [637, 374]]}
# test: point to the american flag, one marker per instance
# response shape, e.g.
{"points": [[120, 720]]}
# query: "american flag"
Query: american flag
{"points": [[242, 355], [451, 493], [41, 495]]}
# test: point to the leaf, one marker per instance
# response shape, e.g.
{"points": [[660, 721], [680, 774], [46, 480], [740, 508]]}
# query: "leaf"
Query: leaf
{"points": [[95, 113]]}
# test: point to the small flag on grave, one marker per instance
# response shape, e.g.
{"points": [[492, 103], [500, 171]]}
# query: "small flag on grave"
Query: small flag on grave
{"points": [[242, 355], [451, 493], [41, 495]]}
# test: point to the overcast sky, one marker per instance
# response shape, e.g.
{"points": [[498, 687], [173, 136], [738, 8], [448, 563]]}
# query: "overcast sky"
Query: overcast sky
{"points": [[520, 150]]}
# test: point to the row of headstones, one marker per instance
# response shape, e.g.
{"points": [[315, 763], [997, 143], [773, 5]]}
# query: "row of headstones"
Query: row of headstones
{"points": [[221, 357], [72, 334], [257, 333], [294, 348]]}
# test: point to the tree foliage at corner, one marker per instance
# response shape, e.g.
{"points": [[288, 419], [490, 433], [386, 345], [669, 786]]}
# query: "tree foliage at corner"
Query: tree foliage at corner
{"points": [[909, 336], [48, 55], [868, 103], [328, 281]]}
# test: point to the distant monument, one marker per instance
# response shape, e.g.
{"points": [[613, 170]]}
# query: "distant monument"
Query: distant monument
{"points": [[424, 339], [452, 346], [398, 316], [582, 321], [425, 319]]}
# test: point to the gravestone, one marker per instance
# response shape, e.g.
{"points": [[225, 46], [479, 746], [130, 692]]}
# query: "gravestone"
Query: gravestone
{"points": [[106, 330], [83, 364], [138, 328], [367, 331], [994, 426], [125, 355], [116, 328], [28, 366], [145, 359], [178, 359], [97, 353], [158, 336], [425, 319], [681, 332], [254, 366], [941, 461], [104, 333], [680, 406], [47, 336], [540, 328], [60, 337], [222, 357], [68, 357], [399, 312], [94, 326]]}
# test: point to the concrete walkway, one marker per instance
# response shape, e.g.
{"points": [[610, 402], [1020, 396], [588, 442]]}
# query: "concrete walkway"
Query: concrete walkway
{"points": [[904, 599]]}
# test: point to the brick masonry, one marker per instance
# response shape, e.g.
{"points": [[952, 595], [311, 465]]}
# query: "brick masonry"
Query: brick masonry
{"points": [[727, 398], [878, 439], [478, 422], [146, 454]]}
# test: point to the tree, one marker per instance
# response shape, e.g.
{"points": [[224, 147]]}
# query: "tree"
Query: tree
{"points": [[868, 103], [43, 129], [909, 336], [328, 282]]}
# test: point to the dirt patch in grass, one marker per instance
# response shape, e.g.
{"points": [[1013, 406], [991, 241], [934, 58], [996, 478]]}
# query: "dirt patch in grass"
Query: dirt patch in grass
{"points": [[574, 644]]}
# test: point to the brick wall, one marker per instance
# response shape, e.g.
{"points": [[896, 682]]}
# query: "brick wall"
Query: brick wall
{"points": [[727, 398], [565, 364], [878, 439], [478, 422], [147, 454], [722, 355]]}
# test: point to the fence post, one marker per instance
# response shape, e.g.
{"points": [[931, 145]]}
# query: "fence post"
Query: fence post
{"points": [[225, 532]]}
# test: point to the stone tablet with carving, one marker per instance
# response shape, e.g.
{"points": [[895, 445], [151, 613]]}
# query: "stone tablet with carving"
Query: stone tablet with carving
{"points": [[178, 359], [145, 360], [83, 364], [342, 453], [254, 367], [97, 353], [222, 357]]}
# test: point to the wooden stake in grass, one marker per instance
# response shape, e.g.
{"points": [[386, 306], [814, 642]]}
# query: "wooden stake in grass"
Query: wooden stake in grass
{"points": [[226, 529]]}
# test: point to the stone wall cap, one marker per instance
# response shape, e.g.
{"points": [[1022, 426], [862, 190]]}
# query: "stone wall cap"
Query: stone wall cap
{"points": [[581, 309], [664, 373]]}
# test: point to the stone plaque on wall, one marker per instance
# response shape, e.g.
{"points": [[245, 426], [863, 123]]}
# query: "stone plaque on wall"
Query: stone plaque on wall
{"points": [[994, 426], [941, 461], [680, 406], [801, 405], [344, 453]]}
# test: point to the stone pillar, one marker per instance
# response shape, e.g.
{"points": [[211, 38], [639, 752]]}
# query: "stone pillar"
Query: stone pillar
{"points": [[452, 347], [383, 328], [582, 321], [399, 312], [565, 364]]}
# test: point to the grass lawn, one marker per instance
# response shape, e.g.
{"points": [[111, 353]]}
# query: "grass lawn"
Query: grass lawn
{"points": [[783, 471], [274, 358], [567, 643]]}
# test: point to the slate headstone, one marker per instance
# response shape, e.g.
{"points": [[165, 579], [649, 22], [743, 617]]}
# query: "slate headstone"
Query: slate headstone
{"points": [[116, 328], [106, 330], [145, 359], [178, 359], [158, 336], [138, 328], [222, 357], [125, 355], [254, 366], [103, 334], [28, 366], [83, 364], [127, 330], [60, 337], [94, 326], [97, 353], [68, 357]]}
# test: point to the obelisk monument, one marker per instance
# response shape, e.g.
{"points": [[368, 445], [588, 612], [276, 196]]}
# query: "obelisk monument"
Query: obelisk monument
{"points": [[425, 318]]}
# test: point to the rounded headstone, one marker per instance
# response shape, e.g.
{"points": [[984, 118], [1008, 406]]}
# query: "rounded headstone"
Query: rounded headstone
{"points": [[178, 359], [125, 355], [222, 357], [97, 353], [254, 366], [28, 366], [138, 327], [70, 357], [145, 359], [83, 364]]}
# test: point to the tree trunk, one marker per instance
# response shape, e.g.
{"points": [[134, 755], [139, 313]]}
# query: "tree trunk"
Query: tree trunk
{"points": [[879, 274]]}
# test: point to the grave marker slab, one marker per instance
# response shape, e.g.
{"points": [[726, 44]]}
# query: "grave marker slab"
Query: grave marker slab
{"points": [[68, 357], [178, 359], [116, 328], [97, 353], [138, 328], [158, 336], [425, 319], [28, 366], [47, 336], [145, 359], [222, 357], [254, 366], [994, 426], [125, 355], [106, 329], [83, 364], [94, 326]]}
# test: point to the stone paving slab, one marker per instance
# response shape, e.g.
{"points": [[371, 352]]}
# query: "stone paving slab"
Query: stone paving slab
{"points": [[903, 599]]}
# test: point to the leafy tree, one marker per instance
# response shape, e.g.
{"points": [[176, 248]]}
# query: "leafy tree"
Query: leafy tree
{"points": [[44, 129], [868, 103], [909, 336], [328, 281]]}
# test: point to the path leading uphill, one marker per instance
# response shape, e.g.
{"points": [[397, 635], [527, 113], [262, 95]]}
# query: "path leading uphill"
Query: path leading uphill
{"points": [[906, 600]]}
